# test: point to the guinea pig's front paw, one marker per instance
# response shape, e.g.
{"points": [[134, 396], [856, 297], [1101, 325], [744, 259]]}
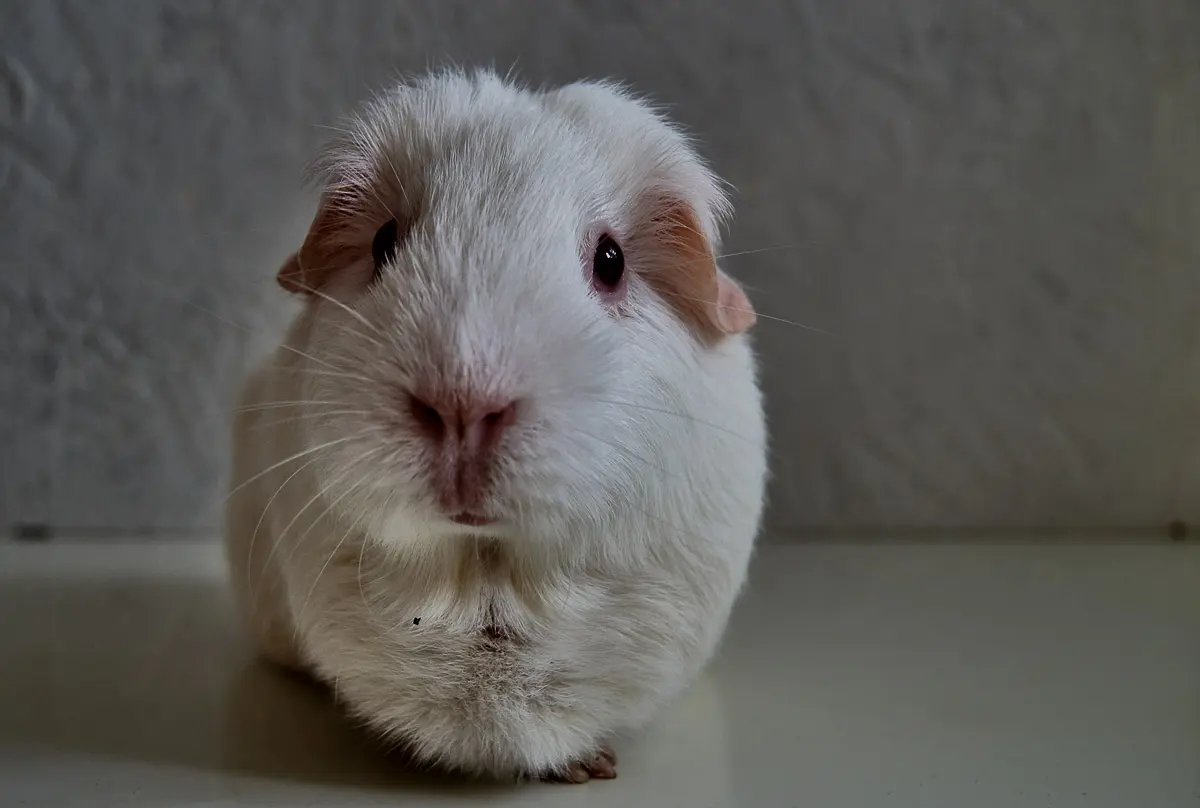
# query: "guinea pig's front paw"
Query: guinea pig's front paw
{"points": [[600, 766]]}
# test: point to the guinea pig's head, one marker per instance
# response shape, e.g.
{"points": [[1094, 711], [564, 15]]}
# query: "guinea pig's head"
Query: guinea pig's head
{"points": [[499, 282]]}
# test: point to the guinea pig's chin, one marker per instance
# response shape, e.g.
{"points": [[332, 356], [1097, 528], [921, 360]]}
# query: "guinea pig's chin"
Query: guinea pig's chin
{"points": [[413, 527], [404, 528]]}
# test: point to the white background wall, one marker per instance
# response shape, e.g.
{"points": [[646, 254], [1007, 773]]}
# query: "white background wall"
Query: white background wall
{"points": [[994, 206]]}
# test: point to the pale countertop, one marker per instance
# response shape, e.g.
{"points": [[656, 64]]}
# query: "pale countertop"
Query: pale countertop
{"points": [[859, 675]]}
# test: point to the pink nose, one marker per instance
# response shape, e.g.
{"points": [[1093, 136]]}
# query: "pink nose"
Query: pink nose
{"points": [[464, 431]]}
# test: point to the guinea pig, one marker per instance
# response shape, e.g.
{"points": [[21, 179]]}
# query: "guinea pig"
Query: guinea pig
{"points": [[500, 484]]}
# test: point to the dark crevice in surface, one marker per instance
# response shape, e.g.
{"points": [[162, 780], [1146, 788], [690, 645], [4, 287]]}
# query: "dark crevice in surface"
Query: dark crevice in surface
{"points": [[1175, 531]]}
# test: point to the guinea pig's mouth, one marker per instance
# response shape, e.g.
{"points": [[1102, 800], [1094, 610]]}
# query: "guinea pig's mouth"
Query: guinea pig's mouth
{"points": [[471, 519]]}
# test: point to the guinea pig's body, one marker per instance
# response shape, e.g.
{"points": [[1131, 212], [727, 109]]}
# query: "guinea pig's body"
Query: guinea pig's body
{"points": [[500, 501]]}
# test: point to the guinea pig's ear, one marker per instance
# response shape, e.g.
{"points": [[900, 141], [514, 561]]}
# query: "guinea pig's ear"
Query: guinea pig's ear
{"points": [[707, 299], [307, 270], [291, 276], [734, 310]]}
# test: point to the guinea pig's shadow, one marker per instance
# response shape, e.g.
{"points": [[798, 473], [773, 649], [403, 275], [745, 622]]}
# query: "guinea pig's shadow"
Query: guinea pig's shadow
{"points": [[158, 672]]}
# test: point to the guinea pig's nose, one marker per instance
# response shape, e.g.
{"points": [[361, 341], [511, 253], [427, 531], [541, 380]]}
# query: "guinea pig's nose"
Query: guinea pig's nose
{"points": [[475, 424], [465, 430]]}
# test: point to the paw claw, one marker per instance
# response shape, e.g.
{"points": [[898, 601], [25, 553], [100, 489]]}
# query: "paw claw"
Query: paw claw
{"points": [[600, 766]]}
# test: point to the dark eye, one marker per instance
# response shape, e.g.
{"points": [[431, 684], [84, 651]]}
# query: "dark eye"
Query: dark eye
{"points": [[383, 247], [608, 265]]}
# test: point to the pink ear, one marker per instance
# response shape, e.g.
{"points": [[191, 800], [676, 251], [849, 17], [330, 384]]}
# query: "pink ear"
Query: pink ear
{"points": [[324, 251], [291, 276], [705, 298], [734, 312]]}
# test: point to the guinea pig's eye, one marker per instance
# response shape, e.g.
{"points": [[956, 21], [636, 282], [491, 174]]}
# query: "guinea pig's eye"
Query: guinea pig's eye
{"points": [[608, 265], [383, 247]]}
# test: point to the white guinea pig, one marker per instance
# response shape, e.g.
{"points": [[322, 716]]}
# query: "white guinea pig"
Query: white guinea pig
{"points": [[501, 483]]}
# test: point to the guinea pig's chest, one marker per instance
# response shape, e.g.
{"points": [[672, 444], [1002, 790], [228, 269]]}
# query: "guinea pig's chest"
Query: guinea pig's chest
{"points": [[477, 598], [496, 609]]}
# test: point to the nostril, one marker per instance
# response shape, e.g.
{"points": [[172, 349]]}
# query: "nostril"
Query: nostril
{"points": [[476, 425], [464, 433], [498, 419], [427, 416], [485, 426]]}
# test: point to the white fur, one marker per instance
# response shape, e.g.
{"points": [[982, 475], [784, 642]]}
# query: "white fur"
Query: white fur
{"points": [[632, 487]]}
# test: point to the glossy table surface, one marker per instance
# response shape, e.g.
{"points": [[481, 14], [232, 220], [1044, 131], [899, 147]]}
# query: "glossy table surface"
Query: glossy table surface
{"points": [[860, 674]]}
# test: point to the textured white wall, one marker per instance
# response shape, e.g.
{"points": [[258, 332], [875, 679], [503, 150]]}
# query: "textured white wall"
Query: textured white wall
{"points": [[993, 205]]}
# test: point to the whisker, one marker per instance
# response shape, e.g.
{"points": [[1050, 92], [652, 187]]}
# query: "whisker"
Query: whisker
{"points": [[632, 454], [629, 453], [315, 498], [329, 508], [666, 523], [759, 250], [787, 322], [345, 328], [247, 329], [267, 508], [306, 416], [275, 405], [683, 415], [783, 320], [338, 546], [319, 372], [294, 457], [374, 329], [358, 577]]}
